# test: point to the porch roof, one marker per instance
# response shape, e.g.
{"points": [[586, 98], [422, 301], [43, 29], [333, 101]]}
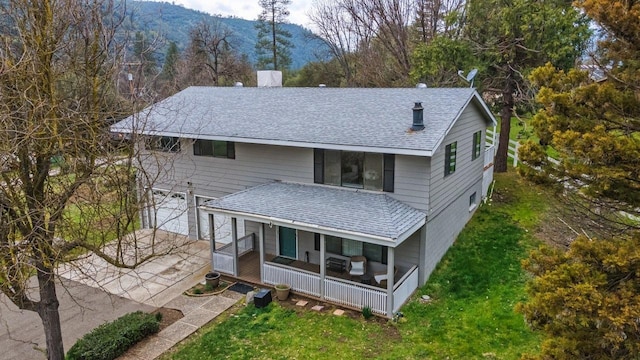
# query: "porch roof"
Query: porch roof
{"points": [[355, 214]]}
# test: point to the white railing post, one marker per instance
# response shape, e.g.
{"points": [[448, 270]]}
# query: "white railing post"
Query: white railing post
{"points": [[323, 265], [390, 279], [261, 249], [234, 242]]}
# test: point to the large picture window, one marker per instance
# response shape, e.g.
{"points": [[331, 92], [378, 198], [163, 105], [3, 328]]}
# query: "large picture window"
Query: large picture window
{"points": [[360, 170], [347, 247]]}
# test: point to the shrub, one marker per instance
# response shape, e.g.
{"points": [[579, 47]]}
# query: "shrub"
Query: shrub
{"points": [[367, 312], [110, 340]]}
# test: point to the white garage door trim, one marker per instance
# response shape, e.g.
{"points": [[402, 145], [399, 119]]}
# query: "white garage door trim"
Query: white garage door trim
{"points": [[171, 211], [203, 226]]}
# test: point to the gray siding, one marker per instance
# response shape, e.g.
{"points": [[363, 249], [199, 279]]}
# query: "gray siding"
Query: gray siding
{"points": [[306, 242], [443, 190], [412, 181], [407, 254], [270, 240], [443, 229], [269, 234], [215, 177]]}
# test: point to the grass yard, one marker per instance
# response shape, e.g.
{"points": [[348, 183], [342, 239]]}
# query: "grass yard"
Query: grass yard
{"points": [[474, 290]]}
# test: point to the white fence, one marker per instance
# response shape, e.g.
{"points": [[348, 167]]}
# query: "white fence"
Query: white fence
{"points": [[351, 294], [493, 138], [300, 280], [405, 287]]}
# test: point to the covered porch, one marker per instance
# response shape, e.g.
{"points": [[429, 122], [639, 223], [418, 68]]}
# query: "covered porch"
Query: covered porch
{"points": [[379, 235]]}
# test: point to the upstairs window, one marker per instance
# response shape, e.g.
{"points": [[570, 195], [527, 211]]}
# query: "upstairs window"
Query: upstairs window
{"points": [[354, 169], [163, 143], [450, 158], [477, 143], [215, 148]]}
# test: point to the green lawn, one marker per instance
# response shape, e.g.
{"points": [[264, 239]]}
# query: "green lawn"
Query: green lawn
{"points": [[523, 131], [474, 290]]}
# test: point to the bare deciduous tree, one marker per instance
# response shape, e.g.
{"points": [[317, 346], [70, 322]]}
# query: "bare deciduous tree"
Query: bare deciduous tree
{"points": [[62, 192], [374, 32]]}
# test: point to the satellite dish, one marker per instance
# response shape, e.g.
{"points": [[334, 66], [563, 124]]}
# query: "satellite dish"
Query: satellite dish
{"points": [[472, 74]]}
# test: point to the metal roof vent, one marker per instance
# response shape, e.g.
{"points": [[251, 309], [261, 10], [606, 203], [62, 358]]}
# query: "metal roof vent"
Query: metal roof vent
{"points": [[421, 85], [418, 119]]}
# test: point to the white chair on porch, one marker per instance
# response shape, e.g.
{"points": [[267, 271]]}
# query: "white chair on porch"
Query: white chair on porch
{"points": [[357, 266], [381, 276]]}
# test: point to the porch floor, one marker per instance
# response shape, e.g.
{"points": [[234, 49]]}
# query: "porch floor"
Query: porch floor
{"points": [[249, 269]]}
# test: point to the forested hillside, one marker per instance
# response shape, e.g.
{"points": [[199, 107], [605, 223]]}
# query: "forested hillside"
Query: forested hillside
{"points": [[168, 22]]}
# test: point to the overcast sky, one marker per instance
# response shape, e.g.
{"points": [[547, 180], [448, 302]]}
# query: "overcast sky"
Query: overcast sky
{"points": [[246, 9]]}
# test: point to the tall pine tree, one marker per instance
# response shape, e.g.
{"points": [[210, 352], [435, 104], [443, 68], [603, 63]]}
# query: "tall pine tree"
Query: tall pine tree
{"points": [[510, 38], [273, 46], [595, 125]]}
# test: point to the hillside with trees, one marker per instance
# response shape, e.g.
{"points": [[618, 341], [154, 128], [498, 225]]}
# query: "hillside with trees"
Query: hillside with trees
{"points": [[166, 23]]}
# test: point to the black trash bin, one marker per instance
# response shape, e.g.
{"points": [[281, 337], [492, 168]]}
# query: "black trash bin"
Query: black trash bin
{"points": [[262, 298]]}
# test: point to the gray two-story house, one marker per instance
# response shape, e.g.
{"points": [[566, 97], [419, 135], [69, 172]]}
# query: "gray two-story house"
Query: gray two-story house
{"points": [[348, 195]]}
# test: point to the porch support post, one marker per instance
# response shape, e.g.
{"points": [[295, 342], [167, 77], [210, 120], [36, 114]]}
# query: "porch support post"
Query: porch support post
{"points": [[234, 247], [390, 280], [323, 265], [422, 262], [212, 240], [261, 248]]}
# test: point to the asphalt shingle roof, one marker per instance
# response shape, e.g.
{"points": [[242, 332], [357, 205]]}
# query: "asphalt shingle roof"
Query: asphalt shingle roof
{"points": [[360, 117], [350, 210]]}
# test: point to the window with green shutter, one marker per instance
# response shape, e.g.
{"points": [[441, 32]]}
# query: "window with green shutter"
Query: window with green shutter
{"points": [[450, 158]]}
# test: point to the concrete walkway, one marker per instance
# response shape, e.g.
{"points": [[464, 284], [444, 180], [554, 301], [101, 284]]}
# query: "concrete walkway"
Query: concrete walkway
{"points": [[158, 282], [197, 311], [154, 282]]}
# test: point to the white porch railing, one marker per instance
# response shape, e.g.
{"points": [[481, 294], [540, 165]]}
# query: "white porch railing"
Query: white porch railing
{"points": [[245, 245], [223, 257], [223, 262], [487, 175], [300, 280], [342, 291], [493, 138], [356, 295], [405, 287]]}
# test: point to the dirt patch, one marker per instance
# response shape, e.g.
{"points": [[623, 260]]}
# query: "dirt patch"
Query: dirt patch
{"points": [[169, 316], [569, 218], [206, 290], [327, 309]]}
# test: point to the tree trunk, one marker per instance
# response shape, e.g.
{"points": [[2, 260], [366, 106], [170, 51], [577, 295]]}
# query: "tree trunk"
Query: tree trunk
{"points": [[501, 159], [48, 311]]}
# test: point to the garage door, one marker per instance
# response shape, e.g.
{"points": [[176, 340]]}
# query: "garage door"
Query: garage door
{"points": [[171, 212]]}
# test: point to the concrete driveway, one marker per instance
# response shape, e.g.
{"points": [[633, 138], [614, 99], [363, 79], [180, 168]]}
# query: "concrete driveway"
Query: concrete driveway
{"points": [[156, 281], [82, 308], [92, 291]]}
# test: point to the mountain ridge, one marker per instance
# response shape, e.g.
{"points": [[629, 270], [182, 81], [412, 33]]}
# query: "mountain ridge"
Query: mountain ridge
{"points": [[173, 22]]}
